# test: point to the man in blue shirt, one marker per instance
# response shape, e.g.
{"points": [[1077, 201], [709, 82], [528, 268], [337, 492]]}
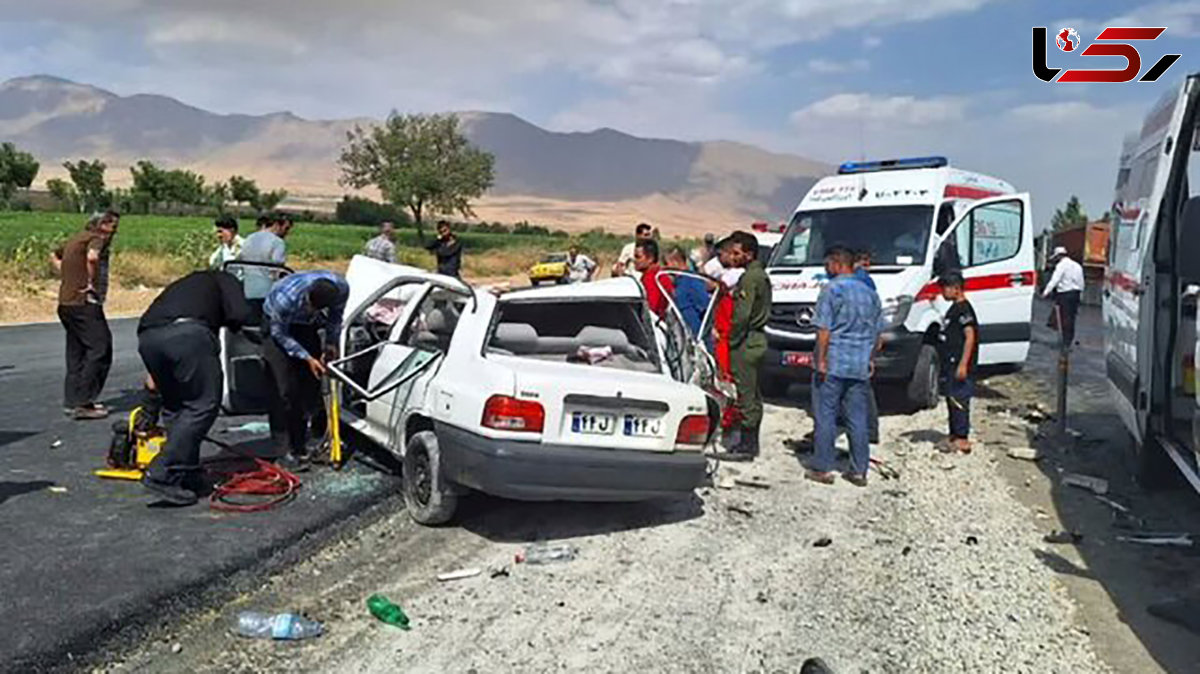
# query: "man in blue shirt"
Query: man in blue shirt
{"points": [[691, 294], [862, 268], [295, 311], [848, 317]]}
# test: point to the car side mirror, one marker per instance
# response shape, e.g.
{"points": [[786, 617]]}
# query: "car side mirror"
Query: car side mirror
{"points": [[1189, 240]]}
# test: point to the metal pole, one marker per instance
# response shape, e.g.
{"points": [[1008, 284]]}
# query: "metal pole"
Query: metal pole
{"points": [[1064, 365]]}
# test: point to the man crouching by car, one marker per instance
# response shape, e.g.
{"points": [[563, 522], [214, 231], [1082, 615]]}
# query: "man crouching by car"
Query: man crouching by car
{"points": [[293, 314]]}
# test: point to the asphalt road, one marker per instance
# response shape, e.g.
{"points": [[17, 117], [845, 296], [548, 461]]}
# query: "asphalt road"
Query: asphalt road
{"points": [[84, 557]]}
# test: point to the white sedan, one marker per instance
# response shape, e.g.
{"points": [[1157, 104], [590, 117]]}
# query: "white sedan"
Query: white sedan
{"points": [[566, 393]]}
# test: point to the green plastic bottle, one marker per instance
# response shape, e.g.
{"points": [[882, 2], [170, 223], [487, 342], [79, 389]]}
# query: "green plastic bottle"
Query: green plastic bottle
{"points": [[382, 608]]}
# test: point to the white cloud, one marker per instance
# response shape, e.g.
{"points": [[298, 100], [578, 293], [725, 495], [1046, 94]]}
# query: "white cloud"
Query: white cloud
{"points": [[829, 67], [1182, 19], [1057, 113], [872, 41], [870, 108]]}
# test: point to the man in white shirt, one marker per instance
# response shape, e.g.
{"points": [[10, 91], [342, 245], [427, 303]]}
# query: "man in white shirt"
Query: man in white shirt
{"points": [[229, 246], [624, 264], [383, 247], [1066, 286], [265, 246], [579, 266]]}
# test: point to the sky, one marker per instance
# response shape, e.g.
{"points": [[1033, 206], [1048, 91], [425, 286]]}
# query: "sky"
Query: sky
{"points": [[826, 79]]}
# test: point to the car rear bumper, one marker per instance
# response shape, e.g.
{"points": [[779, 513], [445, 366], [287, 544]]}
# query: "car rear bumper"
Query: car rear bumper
{"points": [[894, 363], [532, 471]]}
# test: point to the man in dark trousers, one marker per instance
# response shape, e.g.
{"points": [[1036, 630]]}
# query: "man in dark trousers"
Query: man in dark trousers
{"points": [[748, 340], [448, 250], [295, 312], [83, 264], [177, 340]]}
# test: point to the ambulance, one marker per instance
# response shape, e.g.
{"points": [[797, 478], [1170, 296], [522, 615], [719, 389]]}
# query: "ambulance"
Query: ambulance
{"points": [[919, 218], [1152, 286]]}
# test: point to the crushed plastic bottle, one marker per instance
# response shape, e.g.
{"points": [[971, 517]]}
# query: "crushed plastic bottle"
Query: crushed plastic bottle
{"points": [[382, 608], [287, 626], [547, 553]]}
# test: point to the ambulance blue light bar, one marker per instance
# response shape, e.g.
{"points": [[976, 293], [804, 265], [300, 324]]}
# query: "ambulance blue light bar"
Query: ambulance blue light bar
{"points": [[892, 165]]}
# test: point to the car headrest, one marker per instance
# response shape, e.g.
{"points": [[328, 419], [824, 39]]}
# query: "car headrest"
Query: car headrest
{"points": [[437, 322], [516, 337], [594, 335]]}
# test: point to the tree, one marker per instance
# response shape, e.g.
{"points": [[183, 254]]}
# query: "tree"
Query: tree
{"points": [[88, 177], [1069, 217], [244, 191], [420, 162], [17, 171], [149, 185], [216, 195], [269, 200], [64, 194]]}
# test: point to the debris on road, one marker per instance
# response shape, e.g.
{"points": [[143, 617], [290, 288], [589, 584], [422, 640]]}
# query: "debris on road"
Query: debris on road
{"points": [[459, 574], [756, 481], [1112, 504], [740, 508], [547, 553], [176, 648], [1063, 537], [499, 572], [885, 470], [57, 489], [1177, 540], [972, 540], [823, 542], [726, 482], [1096, 485], [281, 626], [815, 666], [253, 427], [1024, 453], [385, 611], [56, 444]]}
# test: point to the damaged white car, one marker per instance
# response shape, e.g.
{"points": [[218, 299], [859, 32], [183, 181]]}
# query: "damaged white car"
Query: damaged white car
{"points": [[567, 393]]}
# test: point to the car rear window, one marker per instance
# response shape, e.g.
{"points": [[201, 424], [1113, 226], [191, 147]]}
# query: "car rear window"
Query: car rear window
{"points": [[568, 331]]}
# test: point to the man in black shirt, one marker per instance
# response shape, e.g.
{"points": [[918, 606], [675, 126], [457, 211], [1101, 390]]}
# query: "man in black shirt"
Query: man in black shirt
{"points": [[177, 339], [448, 250], [959, 352]]}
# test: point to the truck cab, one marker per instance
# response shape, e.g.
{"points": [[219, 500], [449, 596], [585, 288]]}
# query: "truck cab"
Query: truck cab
{"points": [[1149, 297], [918, 218]]}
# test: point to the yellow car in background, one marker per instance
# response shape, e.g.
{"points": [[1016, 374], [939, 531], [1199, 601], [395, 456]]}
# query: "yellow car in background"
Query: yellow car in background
{"points": [[553, 267]]}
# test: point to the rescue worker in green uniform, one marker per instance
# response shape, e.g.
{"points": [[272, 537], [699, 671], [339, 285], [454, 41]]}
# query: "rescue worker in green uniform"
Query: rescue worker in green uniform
{"points": [[748, 341]]}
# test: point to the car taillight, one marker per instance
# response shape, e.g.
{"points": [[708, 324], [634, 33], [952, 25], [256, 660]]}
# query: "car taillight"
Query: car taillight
{"points": [[693, 430], [505, 413]]}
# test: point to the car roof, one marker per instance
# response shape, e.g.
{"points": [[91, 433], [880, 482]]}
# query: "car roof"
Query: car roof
{"points": [[626, 288]]}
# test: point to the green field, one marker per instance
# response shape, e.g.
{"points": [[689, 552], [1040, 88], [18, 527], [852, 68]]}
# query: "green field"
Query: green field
{"points": [[188, 236]]}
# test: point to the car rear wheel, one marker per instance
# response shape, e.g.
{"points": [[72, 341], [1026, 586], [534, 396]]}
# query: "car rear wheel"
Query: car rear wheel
{"points": [[429, 498], [922, 390]]}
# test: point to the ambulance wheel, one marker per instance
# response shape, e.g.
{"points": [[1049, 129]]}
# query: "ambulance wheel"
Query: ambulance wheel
{"points": [[429, 498], [774, 387], [923, 388]]}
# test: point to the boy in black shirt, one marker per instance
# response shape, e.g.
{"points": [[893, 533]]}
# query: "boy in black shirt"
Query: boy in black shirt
{"points": [[959, 351]]}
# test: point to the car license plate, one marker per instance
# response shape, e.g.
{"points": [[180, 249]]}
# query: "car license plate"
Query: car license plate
{"points": [[591, 423], [797, 358], [643, 427]]}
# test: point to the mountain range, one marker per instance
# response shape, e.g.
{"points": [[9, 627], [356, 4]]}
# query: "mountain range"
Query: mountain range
{"points": [[576, 180]]}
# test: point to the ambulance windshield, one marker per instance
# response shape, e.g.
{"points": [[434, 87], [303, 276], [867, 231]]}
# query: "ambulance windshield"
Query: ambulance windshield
{"points": [[895, 235]]}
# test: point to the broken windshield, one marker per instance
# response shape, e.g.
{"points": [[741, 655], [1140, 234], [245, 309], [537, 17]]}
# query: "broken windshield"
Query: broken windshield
{"points": [[895, 235]]}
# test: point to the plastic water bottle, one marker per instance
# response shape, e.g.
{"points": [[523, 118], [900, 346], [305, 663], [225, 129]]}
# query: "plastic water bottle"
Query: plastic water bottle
{"points": [[382, 608], [288, 626], [547, 553]]}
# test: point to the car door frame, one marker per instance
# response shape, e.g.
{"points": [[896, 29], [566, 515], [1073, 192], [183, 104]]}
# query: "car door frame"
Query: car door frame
{"points": [[1001, 291], [375, 391], [223, 336]]}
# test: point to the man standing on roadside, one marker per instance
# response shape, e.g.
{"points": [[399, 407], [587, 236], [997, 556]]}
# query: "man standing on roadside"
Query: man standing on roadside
{"points": [[579, 266], [266, 246], [691, 293], [229, 244], [624, 265], [448, 250], [83, 264], [848, 320], [645, 260], [705, 252], [177, 340], [383, 246], [295, 311], [748, 339], [1066, 286]]}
